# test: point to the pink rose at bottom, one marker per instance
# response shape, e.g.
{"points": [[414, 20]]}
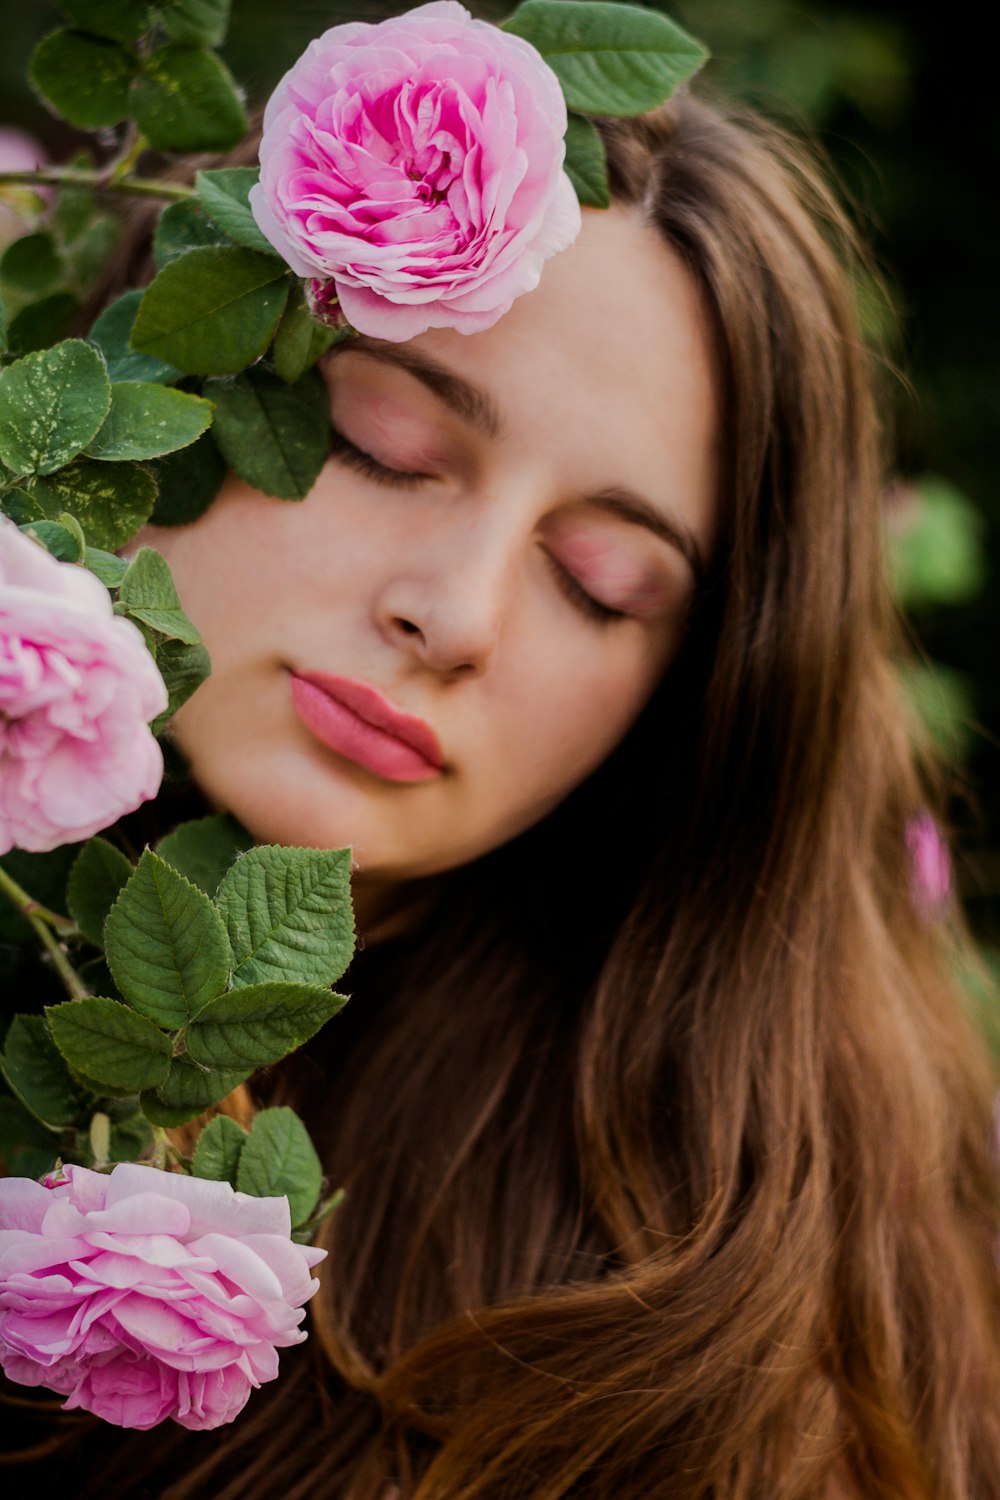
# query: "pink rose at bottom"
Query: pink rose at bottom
{"points": [[142, 1295], [77, 691]]}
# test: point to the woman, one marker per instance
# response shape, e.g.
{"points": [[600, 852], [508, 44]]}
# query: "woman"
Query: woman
{"points": [[667, 1148]]}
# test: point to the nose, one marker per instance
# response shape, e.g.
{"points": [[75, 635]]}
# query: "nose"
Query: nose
{"points": [[445, 601]]}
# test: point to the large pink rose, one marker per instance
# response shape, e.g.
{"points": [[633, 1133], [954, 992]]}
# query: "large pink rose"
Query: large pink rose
{"points": [[77, 689], [142, 1295], [418, 163]]}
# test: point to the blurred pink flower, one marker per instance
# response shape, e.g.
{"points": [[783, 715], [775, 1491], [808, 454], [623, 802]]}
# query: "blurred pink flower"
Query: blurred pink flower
{"points": [[930, 865], [418, 163], [19, 152], [77, 690], [142, 1295]]}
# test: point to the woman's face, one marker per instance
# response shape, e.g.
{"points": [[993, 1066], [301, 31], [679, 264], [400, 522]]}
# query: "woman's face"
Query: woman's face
{"points": [[487, 581]]}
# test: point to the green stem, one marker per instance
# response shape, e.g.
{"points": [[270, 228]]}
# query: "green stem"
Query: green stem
{"points": [[143, 187], [32, 912]]}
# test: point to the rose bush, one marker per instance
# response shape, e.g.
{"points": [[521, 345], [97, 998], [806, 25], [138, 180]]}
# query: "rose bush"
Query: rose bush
{"points": [[418, 164], [142, 1295], [77, 689]]}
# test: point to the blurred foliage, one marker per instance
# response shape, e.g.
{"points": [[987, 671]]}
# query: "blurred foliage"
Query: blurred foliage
{"points": [[913, 133]]}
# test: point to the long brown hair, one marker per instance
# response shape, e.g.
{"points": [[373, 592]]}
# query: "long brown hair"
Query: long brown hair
{"points": [[668, 1148]]}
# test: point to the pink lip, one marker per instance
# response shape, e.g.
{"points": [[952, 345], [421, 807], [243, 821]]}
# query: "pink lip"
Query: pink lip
{"points": [[354, 719]]}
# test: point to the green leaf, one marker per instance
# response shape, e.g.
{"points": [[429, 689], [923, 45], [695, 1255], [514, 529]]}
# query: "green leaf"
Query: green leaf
{"points": [[34, 1068], [182, 227], [84, 79], [220, 1146], [255, 1026], [121, 20], [28, 1148], [42, 322], [105, 566], [936, 545], [110, 501], [3, 328], [95, 882], [91, 253], [224, 195], [189, 481], [610, 59], [183, 669], [212, 311], [147, 593], [111, 334], [109, 1043], [274, 436], [60, 541], [147, 420], [51, 405], [185, 100], [32, 264], [288, 914], [587, 163], [166, 944], [198, 23], [130, 1138], [300, 341], [189, 1090], [204, 849], [279, 1158]]}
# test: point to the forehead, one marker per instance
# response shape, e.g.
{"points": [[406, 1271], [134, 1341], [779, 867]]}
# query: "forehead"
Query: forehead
{"points": [[606, 366]]}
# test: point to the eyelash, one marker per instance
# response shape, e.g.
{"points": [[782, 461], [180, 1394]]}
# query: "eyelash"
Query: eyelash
{"points": [[344, 450]]}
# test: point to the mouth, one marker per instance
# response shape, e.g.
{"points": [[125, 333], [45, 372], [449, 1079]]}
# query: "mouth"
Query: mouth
{"points": [[355, 720]]}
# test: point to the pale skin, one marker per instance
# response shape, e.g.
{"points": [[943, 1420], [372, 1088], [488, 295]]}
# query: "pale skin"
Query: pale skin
{"points": [[559, 464]]}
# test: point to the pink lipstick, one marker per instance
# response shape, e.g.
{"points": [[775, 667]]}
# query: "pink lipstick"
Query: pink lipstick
{"points": [[355, 720]]}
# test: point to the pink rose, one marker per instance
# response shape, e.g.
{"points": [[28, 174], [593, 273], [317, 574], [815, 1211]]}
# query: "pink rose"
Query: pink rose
{"points": [[418, 162], [77, 689], [142, 1295], [930, 868]]}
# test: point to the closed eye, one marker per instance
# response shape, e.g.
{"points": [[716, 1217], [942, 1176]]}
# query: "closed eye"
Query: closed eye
{"points": [[603, 614], [348, 453]]}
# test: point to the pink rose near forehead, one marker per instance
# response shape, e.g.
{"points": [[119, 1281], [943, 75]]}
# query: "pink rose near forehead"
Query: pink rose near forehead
{"points": [[145, 1295], [77, 690], [418, 163]]}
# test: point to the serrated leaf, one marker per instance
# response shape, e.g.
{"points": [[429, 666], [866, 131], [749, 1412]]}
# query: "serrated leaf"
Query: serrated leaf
{"points": [[109, 1043], [32, 264], [51, 405], [110, 501], [274, 436], [43, 322], [105, 566], [95, 882], [279, 1158], [224, 196], [36, 1072], [63, 543], [199, 23], [188, 1091], [288, 914], [189, 481], [212, 311], [183, 669], [84, 78], [300, 341], [217, 1154], [111, 334], [185, 100], [255, 1026], [121, 20], [182, 227], [148, 420], [204, 849], [147, 593], [587, 163], [166, 944], [611, 59]]}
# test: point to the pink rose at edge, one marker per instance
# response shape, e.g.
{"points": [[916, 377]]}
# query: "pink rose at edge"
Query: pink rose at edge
{"points": [[77, 691], [143, 1295], [418, 164], [930, 868]]}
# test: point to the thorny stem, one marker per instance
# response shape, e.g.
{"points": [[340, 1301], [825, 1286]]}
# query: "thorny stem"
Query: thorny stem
{"points": [[43, 922], [143, 187]]}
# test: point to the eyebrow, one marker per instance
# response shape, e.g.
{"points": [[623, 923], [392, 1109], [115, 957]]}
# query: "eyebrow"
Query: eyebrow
{"points": [[477, 408]]}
